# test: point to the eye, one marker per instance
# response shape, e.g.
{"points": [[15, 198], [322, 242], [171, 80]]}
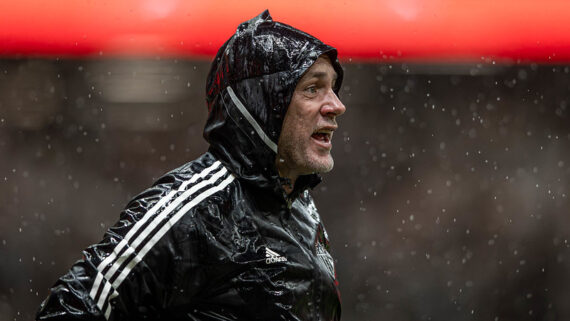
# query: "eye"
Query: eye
{"points": [[311, 90]]}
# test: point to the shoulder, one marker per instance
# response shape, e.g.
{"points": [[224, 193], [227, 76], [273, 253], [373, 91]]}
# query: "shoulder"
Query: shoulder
{"points": [[166, 221], [178, 194]]}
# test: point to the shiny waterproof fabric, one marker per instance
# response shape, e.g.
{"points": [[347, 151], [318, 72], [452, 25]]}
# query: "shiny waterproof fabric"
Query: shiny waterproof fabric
{"points": [[218, 239]]}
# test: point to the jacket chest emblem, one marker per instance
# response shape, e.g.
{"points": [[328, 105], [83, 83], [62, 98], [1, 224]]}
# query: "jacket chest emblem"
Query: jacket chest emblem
{"points": [[326, 259], [273, 257]]}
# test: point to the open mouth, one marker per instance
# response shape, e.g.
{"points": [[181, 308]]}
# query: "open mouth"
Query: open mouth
{"points": [[323, 137]]}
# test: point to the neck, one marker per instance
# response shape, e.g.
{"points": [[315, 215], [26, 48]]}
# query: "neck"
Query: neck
{"points": [[289, 174], [289, 187]]}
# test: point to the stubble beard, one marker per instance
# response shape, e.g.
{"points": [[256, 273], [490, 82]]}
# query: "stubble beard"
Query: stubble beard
{"points": [[300, 158]]}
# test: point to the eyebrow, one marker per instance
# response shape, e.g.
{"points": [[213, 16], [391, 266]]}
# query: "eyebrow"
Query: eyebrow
{"points": [[321, 74]]}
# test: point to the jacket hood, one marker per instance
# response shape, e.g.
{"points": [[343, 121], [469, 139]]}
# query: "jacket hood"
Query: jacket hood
{"points": [[248, 90]]}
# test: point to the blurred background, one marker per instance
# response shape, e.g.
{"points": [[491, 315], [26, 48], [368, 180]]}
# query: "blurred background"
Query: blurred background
{"points": [[449, 197]]}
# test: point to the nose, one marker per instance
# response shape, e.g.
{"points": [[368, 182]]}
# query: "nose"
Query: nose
{"points": [[332, 106]]}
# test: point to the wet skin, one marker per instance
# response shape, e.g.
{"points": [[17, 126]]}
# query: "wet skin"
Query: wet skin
{"points": [[305, 142]]}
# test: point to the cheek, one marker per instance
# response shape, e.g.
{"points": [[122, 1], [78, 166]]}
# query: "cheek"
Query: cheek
{"points": [[292, 131], [304, 118], [305, 110], [302, 128], [299, 121]]}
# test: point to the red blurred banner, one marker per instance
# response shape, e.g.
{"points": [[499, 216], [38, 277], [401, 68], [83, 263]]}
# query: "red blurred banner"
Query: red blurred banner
{"points": [[403, 30]]}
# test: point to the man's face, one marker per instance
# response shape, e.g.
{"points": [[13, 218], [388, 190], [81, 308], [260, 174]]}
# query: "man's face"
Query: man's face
{"points": [[305, 142]]}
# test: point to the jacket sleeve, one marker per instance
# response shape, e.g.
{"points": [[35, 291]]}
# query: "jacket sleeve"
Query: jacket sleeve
{"points": [[135, 271]]}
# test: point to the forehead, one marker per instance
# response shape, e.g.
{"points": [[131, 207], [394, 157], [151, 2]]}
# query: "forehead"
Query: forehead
{"points": [[322, 68]]}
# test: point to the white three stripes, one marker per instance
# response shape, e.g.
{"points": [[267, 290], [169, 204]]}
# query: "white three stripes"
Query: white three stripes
{"points": [[115, 260], [138, 225], [271, 252]]}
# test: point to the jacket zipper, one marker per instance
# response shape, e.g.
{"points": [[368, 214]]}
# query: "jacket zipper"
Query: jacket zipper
{"points": [[312, 258]]}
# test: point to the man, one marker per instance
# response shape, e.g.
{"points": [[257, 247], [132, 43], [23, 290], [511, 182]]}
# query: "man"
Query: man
{"points": [[234, 234]]}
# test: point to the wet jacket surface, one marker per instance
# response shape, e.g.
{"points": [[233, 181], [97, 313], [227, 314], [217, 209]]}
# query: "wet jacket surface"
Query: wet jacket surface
{"points": [[218, 239]]}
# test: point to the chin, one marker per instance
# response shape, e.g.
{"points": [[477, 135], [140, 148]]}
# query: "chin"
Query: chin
{"points": [[321, 164]]}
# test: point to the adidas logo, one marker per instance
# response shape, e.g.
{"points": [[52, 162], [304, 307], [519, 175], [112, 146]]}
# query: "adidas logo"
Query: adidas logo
{"points": [[273, 257]]}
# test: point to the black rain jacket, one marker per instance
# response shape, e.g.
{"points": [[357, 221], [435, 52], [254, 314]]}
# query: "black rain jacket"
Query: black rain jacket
{"points": [[218, 238]]}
